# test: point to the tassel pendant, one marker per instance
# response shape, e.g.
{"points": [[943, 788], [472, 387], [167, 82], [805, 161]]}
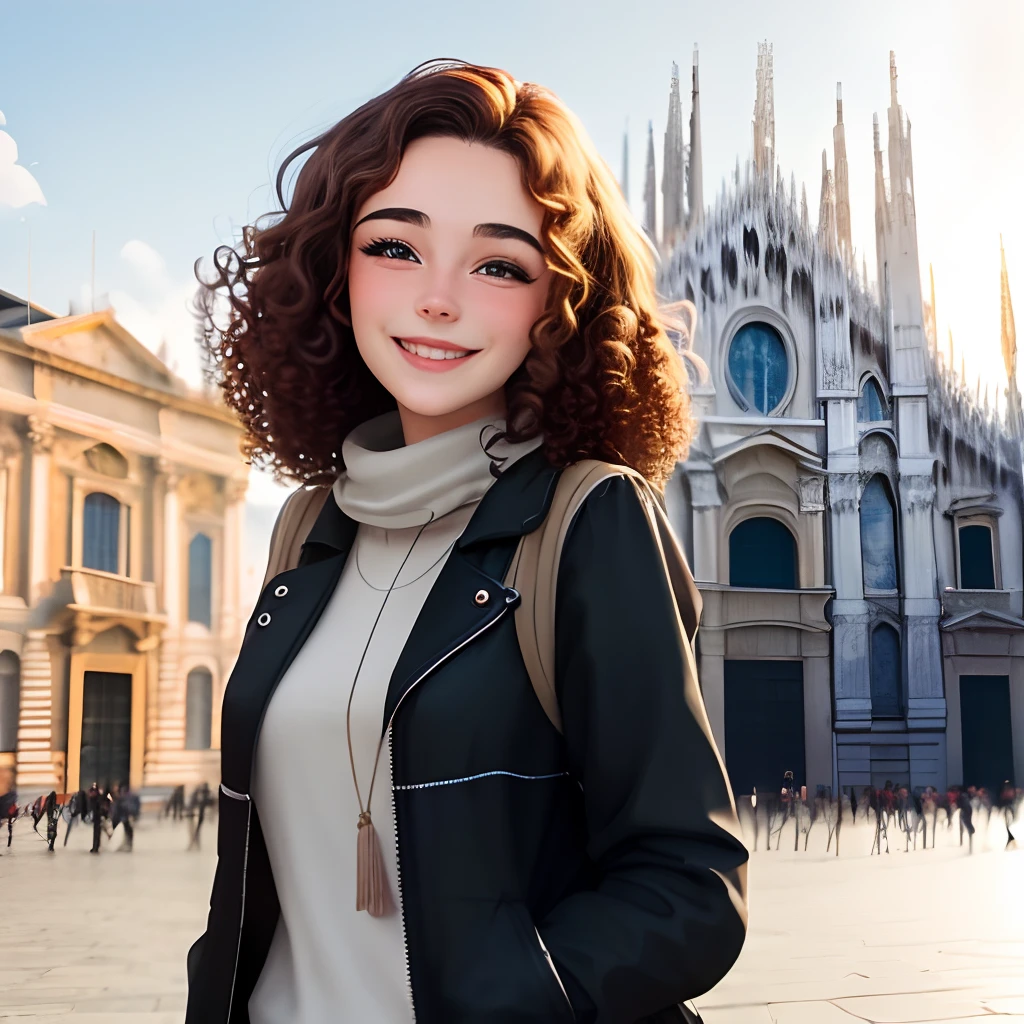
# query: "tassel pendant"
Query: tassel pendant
{"points": [[371, 880]]}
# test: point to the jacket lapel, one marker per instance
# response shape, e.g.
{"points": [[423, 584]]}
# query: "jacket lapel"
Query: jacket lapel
{"points": [[469, 595], [455, 611], [289, 607]]}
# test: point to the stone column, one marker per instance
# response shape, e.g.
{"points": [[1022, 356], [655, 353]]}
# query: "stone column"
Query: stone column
{"points": [[812, 510], [165, 725], [34, 768], [712, 676], [926, 704], [849, 611], [41, 437], [234, 520], [706, 501]]}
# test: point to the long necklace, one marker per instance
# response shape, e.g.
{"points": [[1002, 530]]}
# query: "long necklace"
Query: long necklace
{"points": [[372, 893]]}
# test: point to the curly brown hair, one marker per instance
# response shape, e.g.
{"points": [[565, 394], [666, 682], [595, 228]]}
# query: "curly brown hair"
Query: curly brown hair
{"points": [[602, 378]]}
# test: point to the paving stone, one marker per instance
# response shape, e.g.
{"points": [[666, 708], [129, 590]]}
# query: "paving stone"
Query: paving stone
{"points": [[815, 1012], [927, 936]]}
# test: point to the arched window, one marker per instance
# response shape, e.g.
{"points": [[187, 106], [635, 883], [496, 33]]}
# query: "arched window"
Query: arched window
{"points": [[977, 567], [878, 536], [198, 709], [871, 405], [886, 688], [200, 573], [101, 529], [762, 553], [10, 694], [758, 367]]}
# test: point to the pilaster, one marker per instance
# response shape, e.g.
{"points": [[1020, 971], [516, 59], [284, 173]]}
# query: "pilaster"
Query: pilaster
{"points": [[706, 500], [34, 766], [165, 720], [40, 435]]}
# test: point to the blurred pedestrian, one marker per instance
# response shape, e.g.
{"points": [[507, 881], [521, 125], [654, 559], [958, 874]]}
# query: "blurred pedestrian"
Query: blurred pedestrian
{"points": [[964, 803], [52, 811], [175, 806], [124, 811], [201, 799], [99, 808], [1008, 805]]}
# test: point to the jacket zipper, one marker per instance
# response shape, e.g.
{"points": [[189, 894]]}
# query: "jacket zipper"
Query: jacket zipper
{"points": [[510, 599], [235, 795], [554, 970], [241, 916], [398, 872]]}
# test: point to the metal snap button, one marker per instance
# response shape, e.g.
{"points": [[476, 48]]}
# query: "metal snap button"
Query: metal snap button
{"points": [[264, 619], [280, 591], [482, 597]]}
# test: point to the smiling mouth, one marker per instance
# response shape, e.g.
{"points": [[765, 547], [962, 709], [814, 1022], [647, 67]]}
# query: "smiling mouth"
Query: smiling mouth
{"points": [[429, 352]]}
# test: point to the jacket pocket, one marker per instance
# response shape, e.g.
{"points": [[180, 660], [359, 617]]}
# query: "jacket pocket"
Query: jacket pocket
{"points": [[502, 974]]}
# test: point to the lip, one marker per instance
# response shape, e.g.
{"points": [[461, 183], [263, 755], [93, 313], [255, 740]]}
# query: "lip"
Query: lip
{"points": [[447, 346], [434, 365]]}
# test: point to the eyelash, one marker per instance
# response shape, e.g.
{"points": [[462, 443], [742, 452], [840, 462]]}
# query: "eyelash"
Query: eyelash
{"points": [[378, 246]]}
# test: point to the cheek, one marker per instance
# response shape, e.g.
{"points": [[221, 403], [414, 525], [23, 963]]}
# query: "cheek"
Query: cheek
{"points": [[513, 312], [367, 291]]}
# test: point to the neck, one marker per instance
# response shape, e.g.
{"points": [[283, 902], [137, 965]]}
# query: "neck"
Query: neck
{"points": [[419, 426]]}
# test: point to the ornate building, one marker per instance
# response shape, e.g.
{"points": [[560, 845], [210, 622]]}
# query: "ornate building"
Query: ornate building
{"points": [[851, 510], [121, 511]]}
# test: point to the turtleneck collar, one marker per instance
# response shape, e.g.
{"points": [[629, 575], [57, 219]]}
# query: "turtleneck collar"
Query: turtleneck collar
{"points": [[390, 484]]}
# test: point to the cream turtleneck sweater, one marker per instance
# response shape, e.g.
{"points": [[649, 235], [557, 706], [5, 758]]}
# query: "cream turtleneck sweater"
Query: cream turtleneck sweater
{"points": [[328, 962]]}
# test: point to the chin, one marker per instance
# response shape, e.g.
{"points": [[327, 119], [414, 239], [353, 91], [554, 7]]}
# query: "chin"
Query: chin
{"points": [[424, 402]]}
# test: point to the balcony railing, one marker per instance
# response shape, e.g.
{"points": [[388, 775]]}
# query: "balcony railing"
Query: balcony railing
{"points": [[103, 593]]}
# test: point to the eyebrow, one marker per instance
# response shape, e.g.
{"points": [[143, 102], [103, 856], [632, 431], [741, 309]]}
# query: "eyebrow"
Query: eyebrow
{"points": [[421, 220]]}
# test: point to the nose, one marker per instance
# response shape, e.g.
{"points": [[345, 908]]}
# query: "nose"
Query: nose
{"points": [[438, 311]]}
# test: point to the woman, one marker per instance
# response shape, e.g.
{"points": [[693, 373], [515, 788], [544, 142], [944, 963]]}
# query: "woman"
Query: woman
{"points": [[455, 305]]}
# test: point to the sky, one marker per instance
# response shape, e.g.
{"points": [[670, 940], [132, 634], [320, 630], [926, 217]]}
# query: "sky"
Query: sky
{"points": [[160, 126]]}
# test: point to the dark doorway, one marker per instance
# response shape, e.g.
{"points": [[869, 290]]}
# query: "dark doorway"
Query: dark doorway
{"points": [[764, 724], [985, 731], [106, 729]]}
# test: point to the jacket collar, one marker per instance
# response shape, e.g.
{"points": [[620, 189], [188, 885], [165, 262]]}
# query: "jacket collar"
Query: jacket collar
{"points": [[515, 505]]}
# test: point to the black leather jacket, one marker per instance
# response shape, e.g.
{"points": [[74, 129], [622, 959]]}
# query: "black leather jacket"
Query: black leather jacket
{"points": [[595, 877]]}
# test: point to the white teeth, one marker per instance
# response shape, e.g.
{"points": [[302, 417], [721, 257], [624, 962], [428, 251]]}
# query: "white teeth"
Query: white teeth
{"points": [[431, 353]]}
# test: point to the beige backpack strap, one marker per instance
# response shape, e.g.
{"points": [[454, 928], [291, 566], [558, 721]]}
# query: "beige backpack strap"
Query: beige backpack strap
{"points": [[296, 518], [534, 573]]}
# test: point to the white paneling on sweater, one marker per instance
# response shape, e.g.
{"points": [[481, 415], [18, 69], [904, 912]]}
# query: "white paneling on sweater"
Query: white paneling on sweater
{"points": [[328, 962]]}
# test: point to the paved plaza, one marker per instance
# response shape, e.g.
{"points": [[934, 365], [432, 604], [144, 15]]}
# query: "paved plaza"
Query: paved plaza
{"points": [[922, 936]]}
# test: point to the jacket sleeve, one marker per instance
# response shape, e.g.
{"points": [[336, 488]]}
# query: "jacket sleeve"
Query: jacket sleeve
{"points": [[667, 918]]}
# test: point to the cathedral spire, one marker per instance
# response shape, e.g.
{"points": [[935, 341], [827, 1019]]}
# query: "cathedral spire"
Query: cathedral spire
{"points": [[805, 217], [1008, 338], [843, 230], [881, 212], [764, 112], [827, 209], [896, 241], [695, 170], [650, 190], [901, 188], [672, 173]]}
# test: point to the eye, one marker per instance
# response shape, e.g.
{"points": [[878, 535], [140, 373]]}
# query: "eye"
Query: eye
{"points": [[387, 247], [507, 271]]}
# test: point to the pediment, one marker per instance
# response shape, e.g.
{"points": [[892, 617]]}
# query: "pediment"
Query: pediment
{"points": [[769, 438], [983, 621], [98, 341]]}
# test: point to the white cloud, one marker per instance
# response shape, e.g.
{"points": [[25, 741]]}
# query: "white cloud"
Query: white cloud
{"points": [[146, 262], [156, 309], [17, 185]]}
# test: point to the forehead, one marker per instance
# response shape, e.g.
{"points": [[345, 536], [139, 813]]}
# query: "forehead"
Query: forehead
{"points": [[458, 182]]}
